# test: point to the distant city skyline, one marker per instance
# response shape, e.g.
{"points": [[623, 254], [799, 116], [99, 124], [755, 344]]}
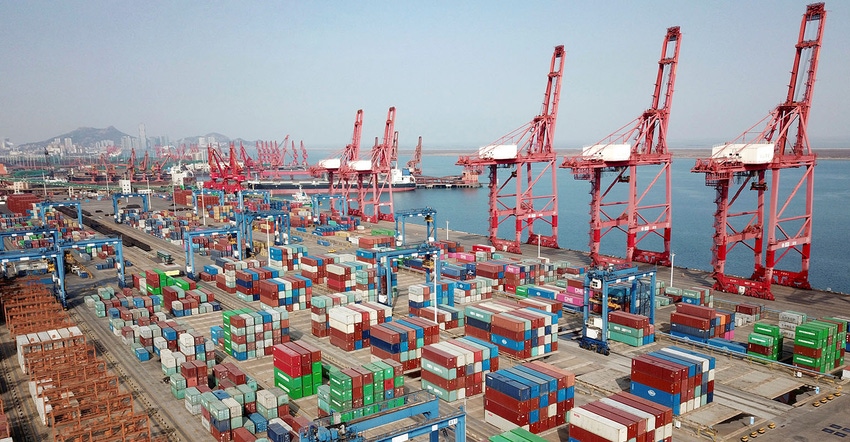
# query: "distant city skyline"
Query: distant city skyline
{"points": [[460, 75]]}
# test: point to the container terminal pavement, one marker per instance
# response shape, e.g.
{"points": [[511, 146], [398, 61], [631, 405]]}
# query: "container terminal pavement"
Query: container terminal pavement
{"points": [[116, 395]]}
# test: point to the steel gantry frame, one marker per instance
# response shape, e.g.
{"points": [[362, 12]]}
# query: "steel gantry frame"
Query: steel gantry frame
{"points": [[201, 192], [430, 218], [372, 181], [190, 255], [281, 224], [641, 142], [782, 144], [317, 198], [337, 168], [420, 405], [146, 204], [43, 206], [35, 231], [57, 253], [528, 145], [601, 279], [265, 194]]}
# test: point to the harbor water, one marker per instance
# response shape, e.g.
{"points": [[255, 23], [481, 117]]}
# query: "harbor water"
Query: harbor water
{"points": [[693, 217]]}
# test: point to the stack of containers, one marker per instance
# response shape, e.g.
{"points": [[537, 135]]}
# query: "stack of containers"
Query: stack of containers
{"points": [[297, 368], [293, 292], [788, 322], [350, 325], [699, 323], [272, 403], [319, 325], [473, 290], [448, 317], [747, 313], [402, 340], [765, 341], [493, 272], [247, 281], [286, 257], [545, 304], [455, 369], [315, 268], [521, 332], [697, 296], [249, 334], [621, 417], [674, 377], [177, 345], [385, 238], [819, 345], [342, 275], [186, 302], [226, 280], [631, 329], [516, 435], [535, 396], [355, 392], [365, 284], [423, 295]]}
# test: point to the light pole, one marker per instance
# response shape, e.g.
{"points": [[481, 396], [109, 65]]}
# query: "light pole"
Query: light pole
{"points": [[672, 260], [269, 229], [447, 230]]}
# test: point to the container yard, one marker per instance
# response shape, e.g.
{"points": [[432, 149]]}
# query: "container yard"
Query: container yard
{"points": [[221, 313], [265, 346]]}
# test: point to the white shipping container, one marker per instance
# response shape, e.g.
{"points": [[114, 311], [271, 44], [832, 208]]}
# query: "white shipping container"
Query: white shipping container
{"points": [[647, 417], [608, 152], [598, 425], [500, 422], [498, 152], [754, 153], [330, 163]]}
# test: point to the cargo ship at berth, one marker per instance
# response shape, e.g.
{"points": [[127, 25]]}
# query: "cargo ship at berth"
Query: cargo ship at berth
{"points": [[402, 181]]}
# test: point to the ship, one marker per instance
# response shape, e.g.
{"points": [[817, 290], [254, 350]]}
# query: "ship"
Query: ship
{"points": [[402, 181]]}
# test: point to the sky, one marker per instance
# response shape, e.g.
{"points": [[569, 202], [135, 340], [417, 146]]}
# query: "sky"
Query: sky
{"points": [[460, 74]]}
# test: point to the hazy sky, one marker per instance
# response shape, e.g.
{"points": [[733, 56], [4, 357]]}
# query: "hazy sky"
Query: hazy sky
{"points": [[461, 74]]}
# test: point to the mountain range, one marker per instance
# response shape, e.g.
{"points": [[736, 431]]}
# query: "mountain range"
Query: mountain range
{"points": [[83, 136]]}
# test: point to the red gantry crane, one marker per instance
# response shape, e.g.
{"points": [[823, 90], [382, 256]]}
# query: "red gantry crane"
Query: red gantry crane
{"points": [[368, 183], [337, 168], [528, 145], [743, 164], [645, 213], [381, 180], [415, 164]]}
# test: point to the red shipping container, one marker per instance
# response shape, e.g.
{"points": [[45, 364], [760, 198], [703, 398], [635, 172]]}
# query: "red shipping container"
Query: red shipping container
{"points": [[690, 321], [696, 310]]}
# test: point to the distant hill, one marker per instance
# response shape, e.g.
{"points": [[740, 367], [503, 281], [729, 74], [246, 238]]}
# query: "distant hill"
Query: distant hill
{"points": [[84, 136], [194, 140]]}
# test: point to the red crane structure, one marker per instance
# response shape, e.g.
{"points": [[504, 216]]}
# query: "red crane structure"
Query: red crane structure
{"points": [[225, 175], [743, 163], [415, 164], [528, 145], [379, 182], [645, 214], [337, 168]]}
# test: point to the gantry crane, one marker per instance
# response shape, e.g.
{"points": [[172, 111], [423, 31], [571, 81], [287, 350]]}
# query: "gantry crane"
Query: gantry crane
{"points": [[338, 169], [415, 164], [519, 150], [645, 214], [377, 193], [227, 176], [744, 162]]}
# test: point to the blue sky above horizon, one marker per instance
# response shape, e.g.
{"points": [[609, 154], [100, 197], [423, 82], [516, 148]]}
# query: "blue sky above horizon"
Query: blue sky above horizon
{"points": [[461, 74]]}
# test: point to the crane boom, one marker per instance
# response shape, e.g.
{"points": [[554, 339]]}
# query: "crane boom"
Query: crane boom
{"points": [[782, 144]]}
